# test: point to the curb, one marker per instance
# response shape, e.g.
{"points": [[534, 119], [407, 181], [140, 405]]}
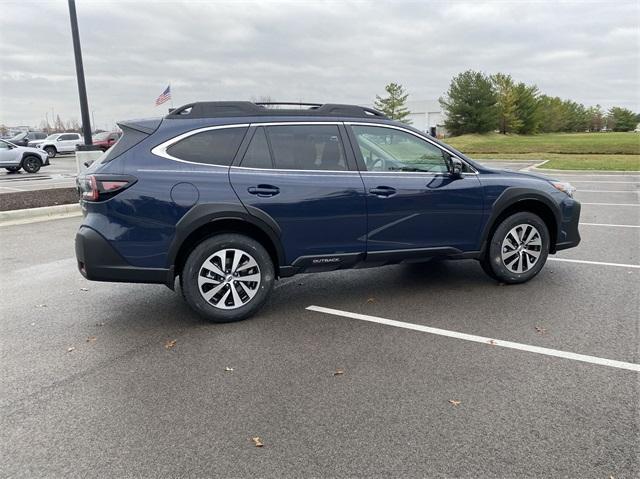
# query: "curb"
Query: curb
{"points": [[33, 215]]}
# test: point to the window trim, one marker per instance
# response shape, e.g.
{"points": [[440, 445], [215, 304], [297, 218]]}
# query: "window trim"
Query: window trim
{"points": [[161, 149]]}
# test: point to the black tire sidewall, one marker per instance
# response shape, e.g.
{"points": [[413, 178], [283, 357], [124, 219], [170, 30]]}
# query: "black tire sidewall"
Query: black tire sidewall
{"points": [[51, 151], [191, 269], [494, 256], [26, 161]]}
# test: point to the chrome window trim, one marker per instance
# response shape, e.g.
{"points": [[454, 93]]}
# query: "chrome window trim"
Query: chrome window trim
{"points": [[161, 149], [425, 138]]}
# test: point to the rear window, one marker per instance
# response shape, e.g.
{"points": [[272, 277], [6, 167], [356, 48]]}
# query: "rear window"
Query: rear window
{"points": [[211, 147], [129, 139]]}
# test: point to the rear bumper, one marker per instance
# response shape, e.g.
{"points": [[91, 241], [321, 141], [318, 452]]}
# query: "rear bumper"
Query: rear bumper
{"points": [[98, 261], [569, 236]]}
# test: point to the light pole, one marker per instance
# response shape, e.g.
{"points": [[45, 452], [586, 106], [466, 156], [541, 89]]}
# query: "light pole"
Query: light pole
{"points": [[82, 89], [93, 120]]}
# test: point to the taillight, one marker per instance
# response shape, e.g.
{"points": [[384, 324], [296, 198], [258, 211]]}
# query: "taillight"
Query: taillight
{"points": [[103, 187]]}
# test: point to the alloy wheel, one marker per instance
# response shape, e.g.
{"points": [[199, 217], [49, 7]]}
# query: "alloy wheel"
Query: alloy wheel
{"points": [[521, 248], [229, 278]]}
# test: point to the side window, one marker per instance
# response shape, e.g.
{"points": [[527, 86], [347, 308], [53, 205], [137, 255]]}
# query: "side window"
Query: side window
{"points": [[307, 147], [3, 145], [388, 149], [258, 155], [65, 137], [212, 147]]}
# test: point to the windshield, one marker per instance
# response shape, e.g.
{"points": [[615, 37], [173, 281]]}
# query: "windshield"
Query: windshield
{"points": [[19, 136], [52, 137]]}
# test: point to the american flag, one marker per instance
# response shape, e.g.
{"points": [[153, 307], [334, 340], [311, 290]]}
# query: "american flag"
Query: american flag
{"points": [[165, 96]]}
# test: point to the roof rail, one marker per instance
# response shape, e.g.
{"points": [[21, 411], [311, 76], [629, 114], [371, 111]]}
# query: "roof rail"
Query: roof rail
{"points": [[219, 109]]}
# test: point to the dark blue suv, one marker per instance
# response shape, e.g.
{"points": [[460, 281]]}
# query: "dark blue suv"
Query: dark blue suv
{"points": [[229, 196]]}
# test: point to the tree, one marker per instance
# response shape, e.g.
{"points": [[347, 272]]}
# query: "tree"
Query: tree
{"points": [[596, 118], [507, 107], [527, 108], [470, 104], [394, 104], [621, 119], [58, 126]]}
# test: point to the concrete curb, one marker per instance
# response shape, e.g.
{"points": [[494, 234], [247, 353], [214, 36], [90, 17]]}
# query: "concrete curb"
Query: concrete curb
{"points": [[32, 215]]}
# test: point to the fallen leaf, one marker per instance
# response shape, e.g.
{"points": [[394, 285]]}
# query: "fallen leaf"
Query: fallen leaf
{"points": [[71, 349], [257, 441], [170, 343], [84, 289], [228, 369], [91, 339], [492, 342], [338, 372], [371, 300], [541, 330], [455, 402]]}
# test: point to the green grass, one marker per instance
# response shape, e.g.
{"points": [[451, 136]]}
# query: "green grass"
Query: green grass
{"points": [[572, 162], [584, 143], [566, 151]]}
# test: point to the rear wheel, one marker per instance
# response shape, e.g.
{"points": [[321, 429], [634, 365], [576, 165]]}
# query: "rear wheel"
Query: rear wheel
{"points": [[51, 151], [227, 277], [31, 164], [518, 248]]}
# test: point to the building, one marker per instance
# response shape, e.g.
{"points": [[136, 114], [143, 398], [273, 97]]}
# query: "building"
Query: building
{"points": [[427, 116]]}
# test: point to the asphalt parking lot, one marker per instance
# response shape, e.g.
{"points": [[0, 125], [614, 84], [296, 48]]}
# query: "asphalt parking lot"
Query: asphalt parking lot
{"points": [[59, 174], [476, 379]]}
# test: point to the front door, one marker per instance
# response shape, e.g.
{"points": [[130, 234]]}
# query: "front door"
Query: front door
{"points": [[9, 156], [67, 142], [301, 176], [413, 202]]}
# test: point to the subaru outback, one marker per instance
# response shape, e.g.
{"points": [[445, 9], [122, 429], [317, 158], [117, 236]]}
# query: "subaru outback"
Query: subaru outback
{"points": [[227, 197]]}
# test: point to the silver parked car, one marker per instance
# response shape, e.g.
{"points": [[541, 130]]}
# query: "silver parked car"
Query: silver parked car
{"points": [[13, 157]]}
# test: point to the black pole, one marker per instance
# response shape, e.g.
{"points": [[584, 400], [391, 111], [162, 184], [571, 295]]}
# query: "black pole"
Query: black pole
{"points": [[82, 89]]}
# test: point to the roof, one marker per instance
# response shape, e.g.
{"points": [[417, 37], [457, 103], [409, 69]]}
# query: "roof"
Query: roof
{"points": [[218, 109]]}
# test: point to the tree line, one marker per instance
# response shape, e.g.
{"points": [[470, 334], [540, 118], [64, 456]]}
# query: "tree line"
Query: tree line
{"points": [[479, 103]]}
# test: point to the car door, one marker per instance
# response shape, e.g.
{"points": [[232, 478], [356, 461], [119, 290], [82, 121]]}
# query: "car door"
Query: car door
{"points": [[68, 142], [9, 155], [302, 177], [413, 202]]}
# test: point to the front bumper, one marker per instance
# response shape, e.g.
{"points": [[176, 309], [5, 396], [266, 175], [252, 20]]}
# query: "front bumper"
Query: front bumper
{"points": [[99, 261], [568, 234]]}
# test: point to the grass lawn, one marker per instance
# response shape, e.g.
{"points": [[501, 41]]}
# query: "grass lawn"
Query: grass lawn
{"points": [[566, 151]]}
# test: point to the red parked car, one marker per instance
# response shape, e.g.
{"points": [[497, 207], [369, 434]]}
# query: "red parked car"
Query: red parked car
{"points": [[106, 139]]}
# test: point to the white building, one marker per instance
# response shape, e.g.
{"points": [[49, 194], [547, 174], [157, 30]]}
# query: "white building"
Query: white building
{"points": [[427, 116]]}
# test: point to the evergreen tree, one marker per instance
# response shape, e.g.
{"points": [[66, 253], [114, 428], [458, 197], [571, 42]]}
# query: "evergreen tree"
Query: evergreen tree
{"points": [[527, 108], [393, 105], [470, 104], [621, 119], [505, 89]]}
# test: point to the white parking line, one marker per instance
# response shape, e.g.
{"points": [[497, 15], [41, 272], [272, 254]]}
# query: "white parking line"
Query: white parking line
{"points": [[611, 204], [599, 263], [610, 226], [481, 339]]}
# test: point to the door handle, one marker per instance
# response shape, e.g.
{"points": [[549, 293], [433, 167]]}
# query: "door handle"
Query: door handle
{"points": [[264, 190], [384, 191]]}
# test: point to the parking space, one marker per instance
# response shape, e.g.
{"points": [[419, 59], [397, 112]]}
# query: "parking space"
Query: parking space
{"points": [[60, 174], [88, 383]]}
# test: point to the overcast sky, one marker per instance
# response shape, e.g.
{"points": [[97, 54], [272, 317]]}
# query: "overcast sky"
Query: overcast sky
{"points": [[319, 51]]}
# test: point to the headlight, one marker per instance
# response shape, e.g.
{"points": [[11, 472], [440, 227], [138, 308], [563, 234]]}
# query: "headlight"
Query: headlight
{"points": [[565, 187]]}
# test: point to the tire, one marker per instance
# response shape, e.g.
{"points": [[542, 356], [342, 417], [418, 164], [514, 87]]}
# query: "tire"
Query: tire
{"points": [[31, 164], [511, 253], [13, 169], [51, 151], [223, 306]]}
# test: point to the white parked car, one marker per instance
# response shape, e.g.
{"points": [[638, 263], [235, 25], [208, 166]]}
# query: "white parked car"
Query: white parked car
{"points": [[14, 157], [60, 143]]}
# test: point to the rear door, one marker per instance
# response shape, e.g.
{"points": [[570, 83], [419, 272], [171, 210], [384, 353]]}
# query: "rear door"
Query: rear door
{"points": [[302, 177], [67, 142]]}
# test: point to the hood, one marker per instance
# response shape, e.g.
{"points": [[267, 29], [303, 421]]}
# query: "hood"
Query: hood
{"points": [[517, 174]]}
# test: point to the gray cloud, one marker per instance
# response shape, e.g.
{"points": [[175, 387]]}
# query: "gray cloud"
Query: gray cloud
{"points": [[324, 51]]}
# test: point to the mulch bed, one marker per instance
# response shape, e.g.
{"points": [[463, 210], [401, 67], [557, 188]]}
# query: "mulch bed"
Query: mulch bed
{"points": [[38, 198]]}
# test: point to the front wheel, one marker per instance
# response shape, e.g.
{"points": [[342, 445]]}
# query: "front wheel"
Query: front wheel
{"points": [[227, 277], [12, 169], [51, 151], [31, 164], [518, 248]]}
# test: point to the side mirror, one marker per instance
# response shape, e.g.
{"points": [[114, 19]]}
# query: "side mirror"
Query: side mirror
{"points": [[455, 166]]}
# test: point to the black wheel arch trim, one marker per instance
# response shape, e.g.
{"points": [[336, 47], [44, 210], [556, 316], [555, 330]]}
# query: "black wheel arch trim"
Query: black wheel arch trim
{"points": [[512, 196], [207, 213]]}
